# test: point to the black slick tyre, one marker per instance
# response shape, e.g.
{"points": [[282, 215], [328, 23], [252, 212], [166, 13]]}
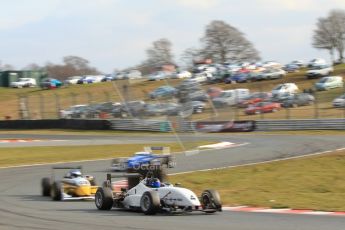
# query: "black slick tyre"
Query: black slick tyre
{"points": [[104, 198], [150, 203], [210, 200], [45, 184], [56, 191]]}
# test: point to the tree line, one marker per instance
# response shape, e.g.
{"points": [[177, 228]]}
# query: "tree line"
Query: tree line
{"points": [[221, 43]]}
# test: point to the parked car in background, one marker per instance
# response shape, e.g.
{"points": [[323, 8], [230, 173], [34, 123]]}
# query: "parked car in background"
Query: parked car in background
{"points": [[108, 77], [319, 71], [331, 82], [133, 74], [230, 97], [163, 92], [271, 74], [198, 106], [291, 68], [98, 78], [72, 80], [103, 110], [239, 77], [316, 62], [24, 82], [201, 77], [299, 63], [157, 76], [129, 109], [73, 111], [263, 107], [254, 98], [284, 88], [51, 83], [272, 64], [298, 100], [88, 79], [339, 102], [160, 109], [181, 75], [213, 92], [198, 95]]}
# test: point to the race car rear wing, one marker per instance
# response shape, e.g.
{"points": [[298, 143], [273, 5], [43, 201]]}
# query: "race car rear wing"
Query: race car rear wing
{"points": [[64, 167], [164, 149], [126, 175], [67, 167], [132, 179]]}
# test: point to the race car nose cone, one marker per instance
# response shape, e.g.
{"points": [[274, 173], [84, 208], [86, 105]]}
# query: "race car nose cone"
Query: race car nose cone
{"points": [[84, 190]]}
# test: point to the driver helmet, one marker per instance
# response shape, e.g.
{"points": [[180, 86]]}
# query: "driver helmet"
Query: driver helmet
{"points": [[155, 183], [75, 173]]}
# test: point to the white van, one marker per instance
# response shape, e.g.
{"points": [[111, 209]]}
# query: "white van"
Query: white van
{"points": [[331, 82], [230, 97]]}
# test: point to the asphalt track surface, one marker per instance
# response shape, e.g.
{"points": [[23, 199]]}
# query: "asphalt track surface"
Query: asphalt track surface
{"points": [[22, 207]]}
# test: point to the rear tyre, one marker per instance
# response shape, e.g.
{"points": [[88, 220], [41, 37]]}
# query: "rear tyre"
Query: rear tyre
{"points": [[150, 203], [210, 200], [104, 198], [56, 191], [45, 186]]}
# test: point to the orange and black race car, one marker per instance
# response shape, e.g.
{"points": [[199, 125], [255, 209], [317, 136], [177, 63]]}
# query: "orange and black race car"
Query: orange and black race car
{"points": [[73, 186]]}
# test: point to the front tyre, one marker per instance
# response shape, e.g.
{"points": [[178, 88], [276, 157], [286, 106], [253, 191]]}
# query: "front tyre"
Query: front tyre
{"points": [[150, 203], [56, 191], [210, 200], [104, 198], [45, 186]]}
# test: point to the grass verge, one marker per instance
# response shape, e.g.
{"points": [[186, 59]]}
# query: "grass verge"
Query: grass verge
{"points": [[307, 183], [48, 154]]}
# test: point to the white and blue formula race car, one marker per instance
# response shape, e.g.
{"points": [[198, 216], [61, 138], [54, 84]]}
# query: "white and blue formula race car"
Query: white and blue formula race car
{"points": [[150, 196], [144, 160]]}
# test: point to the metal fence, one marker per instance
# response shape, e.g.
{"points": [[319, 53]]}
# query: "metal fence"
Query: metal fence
{"points": [[48, 107], [261, 125], [305, 124]]}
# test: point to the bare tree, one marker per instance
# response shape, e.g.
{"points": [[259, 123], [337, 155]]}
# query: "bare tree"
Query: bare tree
{"points": [[76, 62], [189, 56], [7, 67], [32, 66], [73, 66], [160, 53], [223, 42], [330, 33]]}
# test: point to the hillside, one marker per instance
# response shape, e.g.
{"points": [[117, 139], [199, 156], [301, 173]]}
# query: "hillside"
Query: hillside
{"points": [[46, 103]]}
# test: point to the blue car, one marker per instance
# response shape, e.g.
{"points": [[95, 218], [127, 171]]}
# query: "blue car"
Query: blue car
{"points": [[51, 83], [143, 160], [163, 91], [237, 78]]}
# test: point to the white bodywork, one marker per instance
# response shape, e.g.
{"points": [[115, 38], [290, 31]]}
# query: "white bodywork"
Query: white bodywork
{"points": [[319, 71], [230, 97], [24, 82], [172, 196], [78, 181], [339, 102], [285, 88], [72, 80]]}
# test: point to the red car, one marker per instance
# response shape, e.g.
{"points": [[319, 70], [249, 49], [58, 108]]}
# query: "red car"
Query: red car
{"points": [[263, 107], [254, 98]]}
